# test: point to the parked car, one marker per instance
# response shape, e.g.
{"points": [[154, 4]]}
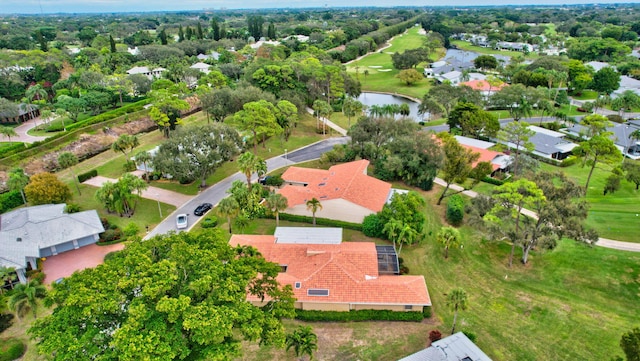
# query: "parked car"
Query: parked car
{"points": [[263, 180], [202, 209], [182, 221]]}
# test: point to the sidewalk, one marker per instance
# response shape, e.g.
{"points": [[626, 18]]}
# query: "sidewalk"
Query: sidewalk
{"points": [[154, 193], [331, 124], [602, 242]]}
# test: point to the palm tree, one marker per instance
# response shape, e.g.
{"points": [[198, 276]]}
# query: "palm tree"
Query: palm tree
{"points": [[277, 203], [228, 207], [314, 205], [449, 237], [35, 92], [8, 132], [125, 144], [392, 229], [457, 300], [25, 297], [68, 160], [406, 235], [249, 163], [303, 341], [145, 158], [17, 181], [350, 108]]}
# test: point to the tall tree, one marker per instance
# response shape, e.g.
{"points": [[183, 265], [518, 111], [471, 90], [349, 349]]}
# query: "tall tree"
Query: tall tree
{"points": [[250, 163], [215, 29], [69, 160], [45, 188], [458, 162], [303, 341], [196, 152], [24, 297], [122, 196], [449, 237], [457, 301], [112, 44], [277, 203], [506, 215], [17, 181], [606, 80], [258, 118], [287, 117], [229, 207], [598, 149], [172, 297], [516, 135], [323, 112], [145, 158], [125, 143], [166, 110], [314, 205]]}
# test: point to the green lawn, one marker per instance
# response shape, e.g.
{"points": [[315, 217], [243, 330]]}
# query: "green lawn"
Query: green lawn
{"points": [[586, 95], [615, 216], [569, 303], [381, 75]]}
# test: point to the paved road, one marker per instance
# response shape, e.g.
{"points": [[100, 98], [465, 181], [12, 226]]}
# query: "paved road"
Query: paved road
{"points": [[218, 191], [22, 130]]}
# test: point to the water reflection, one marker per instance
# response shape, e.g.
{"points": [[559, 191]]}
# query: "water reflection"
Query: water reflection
{"points": [[370, 99]]}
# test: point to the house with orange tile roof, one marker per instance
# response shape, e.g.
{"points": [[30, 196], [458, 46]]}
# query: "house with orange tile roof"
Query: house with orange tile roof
{"points": [[345, 191], [330, 275], [484, 87]]}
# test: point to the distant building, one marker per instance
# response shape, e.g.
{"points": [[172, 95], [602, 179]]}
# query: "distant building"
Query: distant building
{"points": [[149, 73]]}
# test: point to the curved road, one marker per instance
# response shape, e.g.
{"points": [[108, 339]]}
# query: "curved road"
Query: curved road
{"points": [[218, 191]]}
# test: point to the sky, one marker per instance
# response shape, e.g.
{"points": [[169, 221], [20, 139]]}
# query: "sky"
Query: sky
{"points": [[93, 6]]}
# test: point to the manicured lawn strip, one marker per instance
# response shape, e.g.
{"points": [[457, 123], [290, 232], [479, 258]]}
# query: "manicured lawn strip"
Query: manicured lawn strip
{"points": [[613, 215], [586, 95]]}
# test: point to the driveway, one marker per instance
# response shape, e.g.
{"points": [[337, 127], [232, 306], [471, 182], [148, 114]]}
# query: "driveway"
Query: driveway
{"points": [[22, 130], [64, 264], [154, 193]]}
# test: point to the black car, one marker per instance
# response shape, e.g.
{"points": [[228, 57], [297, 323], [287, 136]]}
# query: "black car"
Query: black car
{"points": [[202, 209]]}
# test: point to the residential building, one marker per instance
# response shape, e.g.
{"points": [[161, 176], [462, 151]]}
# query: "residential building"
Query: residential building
{"points": [[149, 73], [202, 67], [345, 191], [456, 347], [484, 87], [620, 135], [27, 234], [328, 274], [548, 143]]}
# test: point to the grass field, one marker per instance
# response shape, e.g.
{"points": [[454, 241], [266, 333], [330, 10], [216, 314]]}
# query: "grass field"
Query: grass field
{"points": [[569, 303], [464, 45], [381, 73], [615, 216]]}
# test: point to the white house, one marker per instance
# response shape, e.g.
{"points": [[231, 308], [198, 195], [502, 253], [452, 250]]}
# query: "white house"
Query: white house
{"points": [[151, 74], [202, 67]]}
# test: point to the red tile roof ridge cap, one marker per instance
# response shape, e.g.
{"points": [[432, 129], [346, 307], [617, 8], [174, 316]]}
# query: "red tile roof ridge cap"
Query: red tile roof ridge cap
{"points": [[321, 267]]}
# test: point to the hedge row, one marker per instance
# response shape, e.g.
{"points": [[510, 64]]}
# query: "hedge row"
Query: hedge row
{"points": [[111, 114], [64, 138], [319, 221], [12, 149], [494, 181], [88, 175], [362, 315], [570, 160]]}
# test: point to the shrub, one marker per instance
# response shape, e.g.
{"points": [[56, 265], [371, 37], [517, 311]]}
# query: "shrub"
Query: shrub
{"points": [[455, 210], [426, 311], [131, 229], [6, 319], [11, 349], [435, 335], [360, 315], [12, 149], [10, 200], [110, 255], [210, 222], [615, 118], [129, 166], [491, 180], [372, 226], [35, 275], [569, 161], [111, 235], [470, 335], [72, 208], [88, 175], [319, 221], [274, 181]]}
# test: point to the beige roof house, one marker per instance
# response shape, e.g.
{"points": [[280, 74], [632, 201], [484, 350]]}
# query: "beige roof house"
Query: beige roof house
{"points": [[327, 274], [345, 191]]}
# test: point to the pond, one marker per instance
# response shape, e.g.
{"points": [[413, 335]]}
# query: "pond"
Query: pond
{"points": [[370, 99]]}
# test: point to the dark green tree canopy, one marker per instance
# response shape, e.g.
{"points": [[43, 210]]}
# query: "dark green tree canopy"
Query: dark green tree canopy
{"points": [[173, 297]]}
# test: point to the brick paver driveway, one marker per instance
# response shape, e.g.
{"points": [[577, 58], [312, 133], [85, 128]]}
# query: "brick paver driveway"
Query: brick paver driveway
{"points": [[64, 264]]}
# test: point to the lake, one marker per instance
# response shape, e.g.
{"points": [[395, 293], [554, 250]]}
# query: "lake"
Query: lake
{"points": [[370, 99]]}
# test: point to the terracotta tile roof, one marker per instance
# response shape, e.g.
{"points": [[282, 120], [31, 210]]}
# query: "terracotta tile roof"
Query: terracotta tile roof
{"points": [[348, 181], [485, 156], [483, 85], [348, 270]]}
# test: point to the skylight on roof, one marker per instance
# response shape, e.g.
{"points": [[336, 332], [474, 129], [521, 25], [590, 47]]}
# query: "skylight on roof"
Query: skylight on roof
{"points": [[317, 292]]}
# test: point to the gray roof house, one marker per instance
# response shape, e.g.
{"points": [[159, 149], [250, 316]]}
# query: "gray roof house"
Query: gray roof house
{"points": [[456, 347], [549, 144], [27, 234], [620, 135]]}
